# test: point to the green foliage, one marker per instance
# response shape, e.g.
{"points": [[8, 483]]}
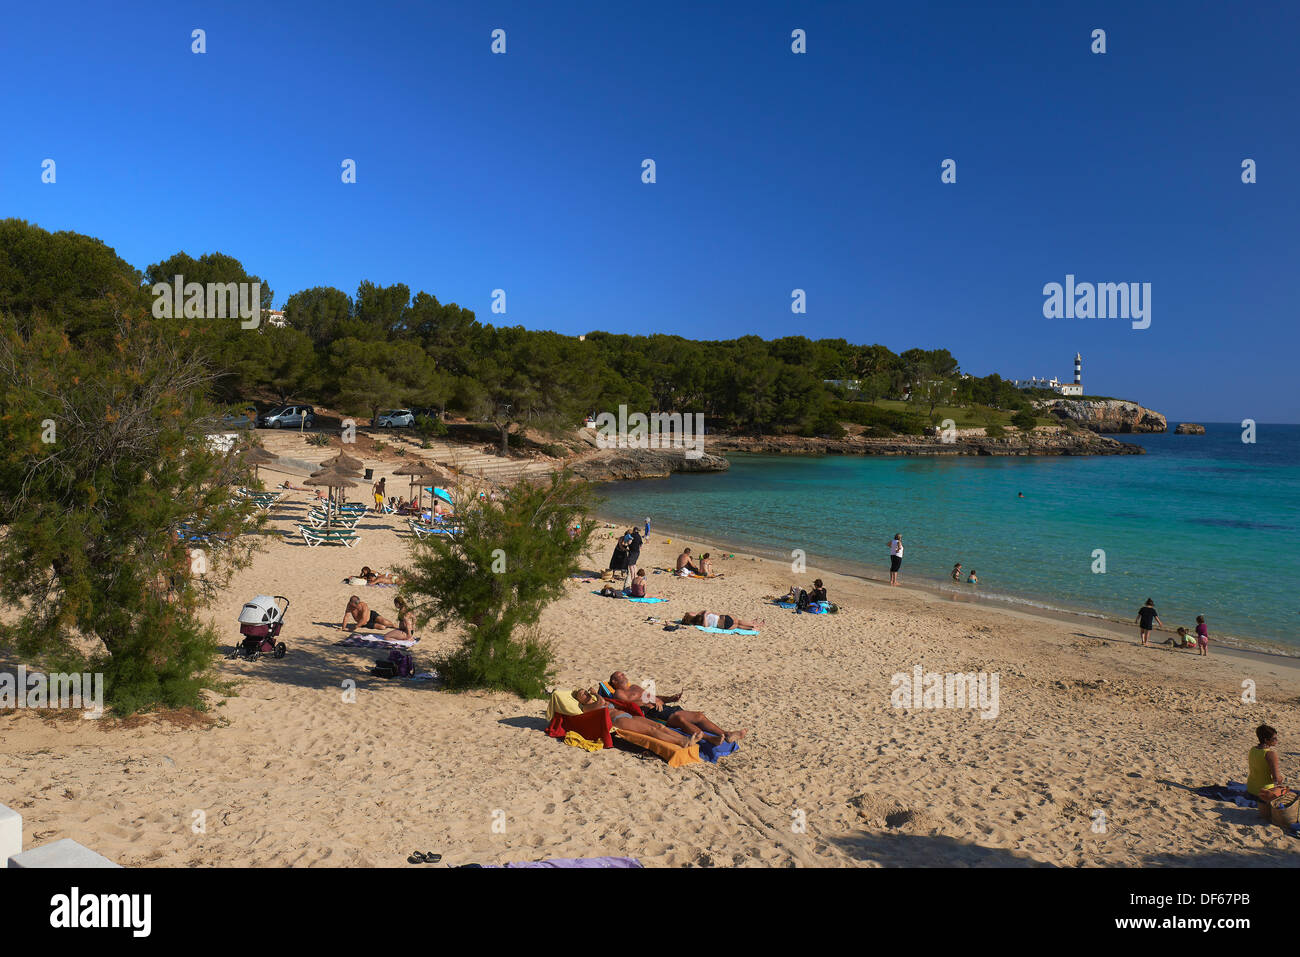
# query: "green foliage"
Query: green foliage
{"points": [[994, 431], [91, 554], [427, 426], [319, 439], [510, 559], [1024, 420], [881, 422]]}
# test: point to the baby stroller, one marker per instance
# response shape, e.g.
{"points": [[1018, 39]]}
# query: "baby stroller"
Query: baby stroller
{"points": [[260, 623]]}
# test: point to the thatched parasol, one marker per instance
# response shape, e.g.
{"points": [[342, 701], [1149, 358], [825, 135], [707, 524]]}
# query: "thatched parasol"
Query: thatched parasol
{"points": [[345, 461], [255, 455], [420, 473], [331, 479]]}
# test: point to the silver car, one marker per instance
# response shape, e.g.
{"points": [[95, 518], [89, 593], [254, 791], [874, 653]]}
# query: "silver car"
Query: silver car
{"points": [[396, 418], [288, 417]]}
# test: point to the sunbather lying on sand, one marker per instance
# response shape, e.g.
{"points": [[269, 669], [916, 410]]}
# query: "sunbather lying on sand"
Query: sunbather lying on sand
{"points": [[362, 612], [377, 578], [590, 701], [725, 622], [662, 708]]}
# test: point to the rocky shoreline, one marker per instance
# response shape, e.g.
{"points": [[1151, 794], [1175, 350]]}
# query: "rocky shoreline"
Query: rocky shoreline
{"points": [[610, 465], [970, 442]]}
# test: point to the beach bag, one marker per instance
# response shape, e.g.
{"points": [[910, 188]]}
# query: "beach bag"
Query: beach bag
{"points": [[1286, 809], [801, 603], [402, 662], [384, 668]]}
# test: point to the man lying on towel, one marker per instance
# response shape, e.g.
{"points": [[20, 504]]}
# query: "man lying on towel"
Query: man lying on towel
{"points": [[590, 701], [663, 709]]}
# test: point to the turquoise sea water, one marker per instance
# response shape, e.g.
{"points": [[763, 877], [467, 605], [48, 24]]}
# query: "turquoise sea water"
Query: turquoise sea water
{"points": [[1202, 524]]}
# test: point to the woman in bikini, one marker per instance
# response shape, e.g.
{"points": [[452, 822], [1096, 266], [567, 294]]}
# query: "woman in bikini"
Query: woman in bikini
{"points": [[725, 622], [376, 578], [405, 628]]}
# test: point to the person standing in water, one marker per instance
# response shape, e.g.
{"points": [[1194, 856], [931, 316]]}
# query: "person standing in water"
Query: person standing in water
{"points": [[895, 557], [1202, 636], [1146, 618], [647, 526]]}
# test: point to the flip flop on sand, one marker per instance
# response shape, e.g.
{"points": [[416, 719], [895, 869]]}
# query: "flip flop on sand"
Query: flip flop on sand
{"points": [[427, 857]]}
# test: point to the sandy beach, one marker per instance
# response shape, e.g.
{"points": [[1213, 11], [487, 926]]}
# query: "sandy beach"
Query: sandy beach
{"points": [[1090, 728]]}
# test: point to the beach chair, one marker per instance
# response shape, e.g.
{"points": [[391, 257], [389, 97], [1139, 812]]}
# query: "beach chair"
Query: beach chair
{"points": [[328, 536], [320, 518]]}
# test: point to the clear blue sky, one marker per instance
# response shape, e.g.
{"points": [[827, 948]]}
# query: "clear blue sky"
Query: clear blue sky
{"points": [[775, 170]]}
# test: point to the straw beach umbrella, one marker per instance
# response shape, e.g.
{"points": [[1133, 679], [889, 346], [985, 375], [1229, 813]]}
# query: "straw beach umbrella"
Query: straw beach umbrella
{"points": [[420, 473], [255, 455], [344, 461], [331, 479]]}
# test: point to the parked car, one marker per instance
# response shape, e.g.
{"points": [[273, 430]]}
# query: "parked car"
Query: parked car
{"points": [[396, 418], [246, 419], [288, 417]]}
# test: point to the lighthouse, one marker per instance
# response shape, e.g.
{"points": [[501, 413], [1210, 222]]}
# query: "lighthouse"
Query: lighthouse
{"points": [[1075, 388]]}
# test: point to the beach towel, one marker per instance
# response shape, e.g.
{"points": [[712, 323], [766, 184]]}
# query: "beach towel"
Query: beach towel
{"points": [[593, 862], [592, 725], [374, 641], [784, 604], [712, 752], [562, 702], [725, 631], [1234, 792], [675, 756], [573, 739], [648, 601]]}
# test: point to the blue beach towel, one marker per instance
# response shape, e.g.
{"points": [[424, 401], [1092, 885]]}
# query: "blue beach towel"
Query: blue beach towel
{"points": [[711, 752], [725, 631], [646, 601]]}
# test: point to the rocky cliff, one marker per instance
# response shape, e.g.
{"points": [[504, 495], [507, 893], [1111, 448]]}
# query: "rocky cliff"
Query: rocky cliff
{"points": [[607, 465], [1189, 428], [1106, 415]]}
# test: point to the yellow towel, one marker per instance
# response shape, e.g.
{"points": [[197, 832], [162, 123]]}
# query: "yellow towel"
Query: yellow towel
{"points": [[578, 741], [562, 702]]}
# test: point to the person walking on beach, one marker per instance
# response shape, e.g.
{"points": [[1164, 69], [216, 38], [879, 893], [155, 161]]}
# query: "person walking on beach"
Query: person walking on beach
{"points": [[1202, 636], [895, 557], [647, 526], [1146, 618], [379, 493]]}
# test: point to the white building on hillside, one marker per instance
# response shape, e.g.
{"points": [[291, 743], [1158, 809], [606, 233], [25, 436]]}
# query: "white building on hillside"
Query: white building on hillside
{"points": [[1064, 388]]}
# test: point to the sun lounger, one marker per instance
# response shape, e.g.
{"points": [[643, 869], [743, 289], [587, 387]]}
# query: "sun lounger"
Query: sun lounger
{"points": [[322, 519], [328, 536], [421, 529]]}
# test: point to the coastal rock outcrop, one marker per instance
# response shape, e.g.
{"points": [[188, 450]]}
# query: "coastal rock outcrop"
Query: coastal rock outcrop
{"points": [[1107, 415], [607, 465], [1042, 441], [1189, 428]]}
